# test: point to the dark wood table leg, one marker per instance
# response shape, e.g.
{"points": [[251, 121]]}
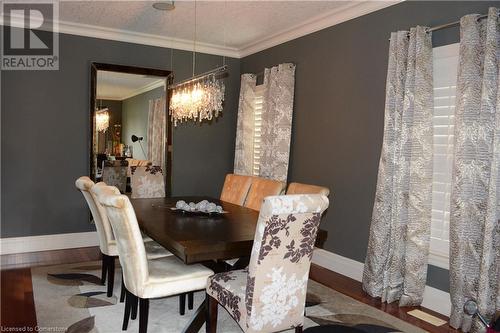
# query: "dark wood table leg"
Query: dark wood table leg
{"points": [[198, 319]]}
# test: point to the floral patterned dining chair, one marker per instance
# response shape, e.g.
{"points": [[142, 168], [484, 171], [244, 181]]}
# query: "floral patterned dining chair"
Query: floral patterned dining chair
{"points": [[114, 173], [269, 295], [147, 182]]}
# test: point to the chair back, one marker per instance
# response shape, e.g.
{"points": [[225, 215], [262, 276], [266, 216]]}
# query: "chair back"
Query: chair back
{"points": [[114, 173], [104, 232], [147, 182], [260, 189], [280, 261], [131, 251], [298, 188], [133, 162], [235, 189]]}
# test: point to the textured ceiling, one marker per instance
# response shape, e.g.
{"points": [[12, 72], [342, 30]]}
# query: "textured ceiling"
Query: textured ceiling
{"points": [[118, 86], [244, 22]]}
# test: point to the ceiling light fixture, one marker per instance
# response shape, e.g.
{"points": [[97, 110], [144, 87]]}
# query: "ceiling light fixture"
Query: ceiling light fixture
{"points": [[102, 120], [200, 97], [164, 5]]}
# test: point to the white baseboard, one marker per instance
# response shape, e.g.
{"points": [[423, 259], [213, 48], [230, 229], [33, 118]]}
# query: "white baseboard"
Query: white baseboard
{"points": [[434, 299], [48, 242], [342, 265], [437, 300]]}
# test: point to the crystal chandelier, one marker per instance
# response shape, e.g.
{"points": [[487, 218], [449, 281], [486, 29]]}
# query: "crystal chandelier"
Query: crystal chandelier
{"points": [[201, 97], [102, 120]]}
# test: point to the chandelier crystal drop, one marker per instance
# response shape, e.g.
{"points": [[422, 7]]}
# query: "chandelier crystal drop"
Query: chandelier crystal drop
{"points": [[197, 100], [102, 120]]}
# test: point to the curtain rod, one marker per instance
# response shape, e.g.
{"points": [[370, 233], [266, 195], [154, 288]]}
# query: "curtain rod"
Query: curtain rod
{"points": [[451, 24]]}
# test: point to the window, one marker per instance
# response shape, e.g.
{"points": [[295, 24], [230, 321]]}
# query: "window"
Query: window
{"points": [[445, 82], [258, 100]]}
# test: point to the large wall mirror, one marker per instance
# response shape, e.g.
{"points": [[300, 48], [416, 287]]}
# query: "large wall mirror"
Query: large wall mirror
{"points": [[130, 128]]}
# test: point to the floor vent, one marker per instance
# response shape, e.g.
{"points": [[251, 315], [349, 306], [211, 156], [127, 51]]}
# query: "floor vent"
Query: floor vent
{"points": [[427, 317]]}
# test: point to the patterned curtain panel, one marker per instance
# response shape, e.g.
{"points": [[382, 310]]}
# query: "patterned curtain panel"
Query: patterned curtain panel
{"points": [[277, 110], [396, 262], [157, 120], [475, 197], [243, 155]]}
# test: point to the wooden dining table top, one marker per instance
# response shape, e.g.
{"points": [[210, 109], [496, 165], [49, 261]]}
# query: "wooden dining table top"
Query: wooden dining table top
{"points": [[197, 238]]}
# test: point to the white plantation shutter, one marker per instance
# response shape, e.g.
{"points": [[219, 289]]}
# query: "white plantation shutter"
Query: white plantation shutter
{"points": [[445, 81], [258, 100]]}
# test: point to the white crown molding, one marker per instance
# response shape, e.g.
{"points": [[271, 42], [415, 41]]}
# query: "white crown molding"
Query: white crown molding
{"points": [[147, 87], [109, 98], [48, 242], [146, 39], [434, 299], [346, 12], [150, 86], [128, 36]]}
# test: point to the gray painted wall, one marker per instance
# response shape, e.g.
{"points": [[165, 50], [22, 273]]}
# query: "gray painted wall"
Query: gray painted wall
{"points": [[135, 113], [45, 135], [339, 111]]}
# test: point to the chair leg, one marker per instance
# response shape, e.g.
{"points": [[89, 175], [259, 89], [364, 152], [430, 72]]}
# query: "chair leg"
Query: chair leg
{"points": [[190, 300], [122, 292], [143, 315], [133, 302], [111, 275], [126, 315], [298, 329], [182, 304], [104, 268], [212, 308]]}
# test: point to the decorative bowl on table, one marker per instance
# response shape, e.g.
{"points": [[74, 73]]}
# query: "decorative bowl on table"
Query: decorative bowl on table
{"points": [[203, 207]]}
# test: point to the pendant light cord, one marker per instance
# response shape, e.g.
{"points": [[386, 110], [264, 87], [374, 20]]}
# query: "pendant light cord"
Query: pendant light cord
{"points": [[170, 80], [225, 19], [194, 40]]}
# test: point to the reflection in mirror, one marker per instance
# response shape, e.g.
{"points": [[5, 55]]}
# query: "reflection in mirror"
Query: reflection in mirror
{"points": [[129, 128]]}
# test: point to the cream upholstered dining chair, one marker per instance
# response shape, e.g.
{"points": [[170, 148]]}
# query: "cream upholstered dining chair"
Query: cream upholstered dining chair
{"points": [[147, 182], [107, 242], [269, 295], [115, 173], [299, 188], [260, 189], [153, 249], [145, 279], [235, 188]]}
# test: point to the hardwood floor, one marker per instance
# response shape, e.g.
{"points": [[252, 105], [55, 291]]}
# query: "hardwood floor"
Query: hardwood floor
{"points": [[16, 296], [17, 304], [18, 308]]}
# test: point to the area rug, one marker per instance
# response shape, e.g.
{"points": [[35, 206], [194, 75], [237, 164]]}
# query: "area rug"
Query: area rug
{"points": [[69, 298]]}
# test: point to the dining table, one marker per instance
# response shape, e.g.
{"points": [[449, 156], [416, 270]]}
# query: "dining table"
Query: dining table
{"points": [[208, 239]]}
